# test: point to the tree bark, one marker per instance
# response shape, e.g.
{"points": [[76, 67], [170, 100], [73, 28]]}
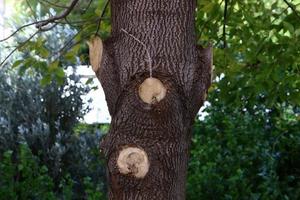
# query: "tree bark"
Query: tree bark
{"points": [[157, 134]]}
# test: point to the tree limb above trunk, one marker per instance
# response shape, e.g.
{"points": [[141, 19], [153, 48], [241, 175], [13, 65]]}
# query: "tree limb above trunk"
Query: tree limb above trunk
{"points": [[62, 15]]}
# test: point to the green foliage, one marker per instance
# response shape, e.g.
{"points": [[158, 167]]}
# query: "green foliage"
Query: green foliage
{"points": [[92, 192], [261, 60], [64, 44], [242, 153], [28, 179], [38, 143], [24, 179], [246, 148]]}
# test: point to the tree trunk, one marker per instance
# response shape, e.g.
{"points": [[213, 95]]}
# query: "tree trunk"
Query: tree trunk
{"points": [[147, 146]]}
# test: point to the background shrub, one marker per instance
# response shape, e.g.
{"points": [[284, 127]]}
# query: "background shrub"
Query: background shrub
{"points": [[245, 153], [42, 155]]}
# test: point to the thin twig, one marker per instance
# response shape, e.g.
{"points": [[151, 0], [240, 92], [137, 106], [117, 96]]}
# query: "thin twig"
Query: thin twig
{"points": [[225, 23], [88, 6], [102, 15], [73, 23], [40, 24], [291, 6], [84, 11], [18, 29], [65, 49], [148, 53], [67, 43], [65, 13], [53, 4], [31, 10], [19, 46]]}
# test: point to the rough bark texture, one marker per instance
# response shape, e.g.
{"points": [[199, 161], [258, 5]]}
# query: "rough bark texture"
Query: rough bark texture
{"points": [[163, 129]]}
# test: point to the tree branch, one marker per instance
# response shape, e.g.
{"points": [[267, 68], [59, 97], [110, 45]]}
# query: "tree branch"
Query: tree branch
{"points": [[225, 23], [53, 4], [18, 29], [88, 6], [42, 23], [65, 13], [102, 15], [19, 46], [291, 6], [33, 13], [47, 28]]}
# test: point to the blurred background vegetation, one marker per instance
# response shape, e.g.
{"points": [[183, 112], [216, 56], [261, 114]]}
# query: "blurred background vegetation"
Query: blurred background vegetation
{"points": [[246, 147]]}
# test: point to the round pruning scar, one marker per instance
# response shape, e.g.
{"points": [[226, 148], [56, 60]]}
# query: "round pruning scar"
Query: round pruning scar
{"points": [[152, 91], [133, 161]]}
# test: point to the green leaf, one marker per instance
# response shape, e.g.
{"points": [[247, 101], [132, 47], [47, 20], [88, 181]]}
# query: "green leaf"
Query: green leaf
{"points": [[297, 32], [44, 53], [72, 53], [53, 66], [60, 73], [90, 80], [46, 80], [288, 27], [17, 63]]}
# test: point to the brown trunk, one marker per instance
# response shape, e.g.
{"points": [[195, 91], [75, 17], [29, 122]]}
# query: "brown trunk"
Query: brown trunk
{"points": [[162, 129]]}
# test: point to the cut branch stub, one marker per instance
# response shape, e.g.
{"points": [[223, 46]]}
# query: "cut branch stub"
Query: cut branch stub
{"points": [[133, 161], [95, 52], [152, 91]]}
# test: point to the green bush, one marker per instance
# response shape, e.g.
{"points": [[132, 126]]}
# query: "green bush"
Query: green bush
{"points": [[25, 178], [240, 153], [38, 140]]}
